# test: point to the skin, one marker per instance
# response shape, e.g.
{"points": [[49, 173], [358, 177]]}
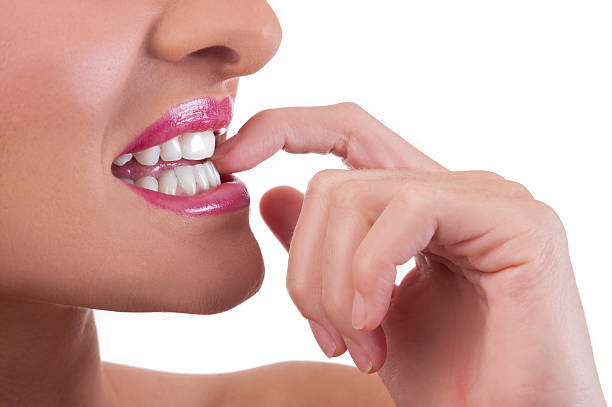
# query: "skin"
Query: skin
{"points": [[80, 80], [490, 315]]}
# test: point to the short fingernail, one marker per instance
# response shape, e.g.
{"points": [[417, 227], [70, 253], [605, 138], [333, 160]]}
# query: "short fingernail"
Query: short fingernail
{"points": [[359, 311], [324, 339], [359, 355]]}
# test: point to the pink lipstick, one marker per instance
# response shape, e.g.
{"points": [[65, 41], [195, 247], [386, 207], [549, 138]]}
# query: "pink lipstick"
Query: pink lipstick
{"points": [[168, 163], [194, 115]]}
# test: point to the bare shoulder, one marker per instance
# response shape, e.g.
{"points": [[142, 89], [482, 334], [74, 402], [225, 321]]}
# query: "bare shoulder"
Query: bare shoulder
{"points": [[135, 387], [301, 384], [286, 384]]}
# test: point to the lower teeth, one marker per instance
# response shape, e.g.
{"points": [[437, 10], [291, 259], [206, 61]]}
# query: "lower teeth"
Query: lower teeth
{"points": [[182, 180]]}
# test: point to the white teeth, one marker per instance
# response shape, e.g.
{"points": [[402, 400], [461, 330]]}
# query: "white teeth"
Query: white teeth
{"points": [[200, 177], [171, 150], [191, 146], [147, 183], [190, 179], [212, 174], [150, 156], [197, 146], [122, 159], [186, 178], [168, 183]]}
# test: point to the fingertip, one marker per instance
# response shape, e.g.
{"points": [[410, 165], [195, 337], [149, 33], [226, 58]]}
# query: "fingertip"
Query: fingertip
{"points": [[282, 199], [222, 156], [368, 313], [359, 312], [280, 208]]}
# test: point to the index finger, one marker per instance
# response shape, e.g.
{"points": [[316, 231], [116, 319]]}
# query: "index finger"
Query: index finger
{"points": [[345, 130]]}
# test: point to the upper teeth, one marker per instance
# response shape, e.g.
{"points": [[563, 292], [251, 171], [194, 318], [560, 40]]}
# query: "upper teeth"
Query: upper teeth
{"points": [[122, 159], [191, 146]]}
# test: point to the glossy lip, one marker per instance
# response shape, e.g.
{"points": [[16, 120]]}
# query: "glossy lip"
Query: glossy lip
{"points": [[231, 195], [194, 115], [198, 114]]}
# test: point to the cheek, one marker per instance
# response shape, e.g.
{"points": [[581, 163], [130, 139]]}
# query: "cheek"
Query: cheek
{"points": [[61, 72], [69, 231], [55, 94]]}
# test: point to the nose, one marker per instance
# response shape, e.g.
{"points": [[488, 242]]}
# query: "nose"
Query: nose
{"points": [[241, 36]]}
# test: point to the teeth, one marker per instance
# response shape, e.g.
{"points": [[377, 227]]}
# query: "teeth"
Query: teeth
{"points": [[191, 179], [191, 146], [197, 146], [150, 156], [200, 177], [147, 183], [168, 183], [122, 159], [171, 150], [186, 179], [212, 175]]}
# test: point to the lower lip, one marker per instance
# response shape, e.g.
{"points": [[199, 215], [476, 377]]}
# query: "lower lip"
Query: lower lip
{"points": [[231, 195]]}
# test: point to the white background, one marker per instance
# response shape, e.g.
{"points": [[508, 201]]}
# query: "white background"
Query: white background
{"points": [[522, 88]]}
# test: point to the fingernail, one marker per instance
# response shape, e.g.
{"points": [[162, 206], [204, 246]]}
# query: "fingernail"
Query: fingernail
{"points": [[359, 355], [359, 311], [324, 339]]}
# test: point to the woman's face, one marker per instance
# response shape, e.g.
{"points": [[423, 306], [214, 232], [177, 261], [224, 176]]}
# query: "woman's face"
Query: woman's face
{"points": [[79, 82]]}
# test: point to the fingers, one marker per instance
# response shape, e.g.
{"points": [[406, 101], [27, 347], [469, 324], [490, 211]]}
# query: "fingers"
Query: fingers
{"points": [[479, 230], [304, 270], [319, 286], [344, 130], [304, 274], [350, 219], [280, 208], [406, 228]]}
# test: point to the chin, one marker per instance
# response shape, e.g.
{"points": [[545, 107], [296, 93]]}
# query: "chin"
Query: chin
{"points": [[204, 265], [209, 272], [235, 277]]}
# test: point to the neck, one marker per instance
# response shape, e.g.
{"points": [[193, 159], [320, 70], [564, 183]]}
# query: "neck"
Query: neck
{"points": [[49, 356]]}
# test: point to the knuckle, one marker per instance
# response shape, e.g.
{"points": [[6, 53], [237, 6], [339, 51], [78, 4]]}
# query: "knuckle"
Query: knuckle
{"points": [[322, 181], [298, 290], [517, 189], [349, 111], [544, 241], [546, 218], [263, 115], [351, 107]]}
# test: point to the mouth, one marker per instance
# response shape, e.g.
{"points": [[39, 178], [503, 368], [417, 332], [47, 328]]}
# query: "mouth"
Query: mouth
{"points": [[169, 164]]}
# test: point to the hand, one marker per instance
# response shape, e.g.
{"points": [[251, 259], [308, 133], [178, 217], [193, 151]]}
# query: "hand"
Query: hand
{"points": [[489, 316]]}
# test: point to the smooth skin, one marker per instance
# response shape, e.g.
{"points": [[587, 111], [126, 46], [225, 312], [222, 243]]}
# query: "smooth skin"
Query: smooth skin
{"points": [[490, 316], [80, 80]]}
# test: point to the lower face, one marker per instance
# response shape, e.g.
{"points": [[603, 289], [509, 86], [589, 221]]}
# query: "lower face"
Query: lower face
{"points": [[71, 230]]}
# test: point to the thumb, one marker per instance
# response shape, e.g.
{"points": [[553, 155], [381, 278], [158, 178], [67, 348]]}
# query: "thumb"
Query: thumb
{"points": [[280, 208]]}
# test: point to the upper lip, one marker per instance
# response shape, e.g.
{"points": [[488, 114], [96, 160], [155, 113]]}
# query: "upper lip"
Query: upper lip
{"points": [[197, 114]]}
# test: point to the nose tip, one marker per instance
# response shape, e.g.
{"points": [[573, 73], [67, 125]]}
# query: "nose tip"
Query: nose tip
{"points": [[240, 35]]}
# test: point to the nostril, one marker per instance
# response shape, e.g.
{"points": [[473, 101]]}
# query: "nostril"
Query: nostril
{"points": [[220, 53]]}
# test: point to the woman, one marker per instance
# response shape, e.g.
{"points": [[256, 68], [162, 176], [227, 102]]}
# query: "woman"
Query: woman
{"points": [[111, 137]]}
